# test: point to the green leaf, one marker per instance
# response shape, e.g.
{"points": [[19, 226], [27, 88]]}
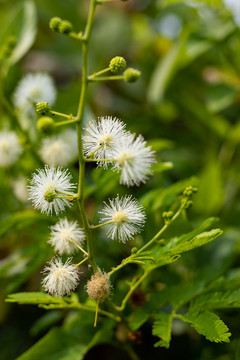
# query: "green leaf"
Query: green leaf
{"points": [[176, 246], [162, 328], [34, 298], [27, 33], [216, 300], [161, 167], [209, 325], [140, 316], [56, 345], [21, 220], [162, 197]]}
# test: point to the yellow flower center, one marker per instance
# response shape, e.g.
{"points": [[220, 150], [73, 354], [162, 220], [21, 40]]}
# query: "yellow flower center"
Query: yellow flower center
{"points": [[119, 217], [66, 235], [58, 273], [105, 139], [124, 156]]}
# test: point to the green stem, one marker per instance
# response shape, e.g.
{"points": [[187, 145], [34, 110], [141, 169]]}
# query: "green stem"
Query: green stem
{"points": [[81, 262], [61, 114], [106, 78], [132, 289], [161, 231], [79, 119], [99, 225], [94, 75], [79, 247]]}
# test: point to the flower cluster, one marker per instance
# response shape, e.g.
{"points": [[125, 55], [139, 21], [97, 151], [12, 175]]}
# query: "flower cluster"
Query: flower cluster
{"points": [[126, 217], [107, 141], [61, 279], [65, 236], [47, 190]]}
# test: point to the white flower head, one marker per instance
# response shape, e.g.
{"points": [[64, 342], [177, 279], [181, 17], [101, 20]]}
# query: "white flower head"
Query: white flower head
{"points": [[19, 185], [48, 183], [59, 150], [102, 136], [134, 159], [127, 216], [34, 88], [10, 148], [63, 234], [61, 279]]}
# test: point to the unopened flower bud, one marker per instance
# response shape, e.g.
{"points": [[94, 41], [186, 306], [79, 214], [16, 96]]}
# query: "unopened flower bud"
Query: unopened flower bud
{"points": [[117, 65], [131, 75], [65, 27], [45, 125], [43, 108], [98, 287], [54, 23], [49, 196]]}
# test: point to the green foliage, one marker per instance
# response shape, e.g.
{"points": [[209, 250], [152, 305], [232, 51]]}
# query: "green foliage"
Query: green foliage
{"points": [[162, 328], [208, 324]]}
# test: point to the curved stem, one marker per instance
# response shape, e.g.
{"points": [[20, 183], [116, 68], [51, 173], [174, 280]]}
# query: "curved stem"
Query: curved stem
{"points": [[132, 289]]}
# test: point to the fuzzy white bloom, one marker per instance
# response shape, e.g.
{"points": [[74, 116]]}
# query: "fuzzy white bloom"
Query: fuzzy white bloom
{"points": [[20, 188], [62, 235], [127, 216], [134, 159], [10, 148], [102, 136], [48, 183], [59, 150], [61, 279], [34, 88]]}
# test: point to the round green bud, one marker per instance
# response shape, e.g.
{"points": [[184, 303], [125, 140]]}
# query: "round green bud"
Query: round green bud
{"points": [[169, 214], [131, 75], [49, 196], [164, 214], [117, 65], [43, 108], [45, 125], [134, 250], [54, 23], [65, 27]]}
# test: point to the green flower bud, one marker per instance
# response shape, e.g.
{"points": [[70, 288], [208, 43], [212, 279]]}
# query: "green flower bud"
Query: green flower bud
{"points": [[43, 108], [117, 65], [49, 196], [65, 27], [54, 23], [134, 250], [45, 125], [131, 75]]}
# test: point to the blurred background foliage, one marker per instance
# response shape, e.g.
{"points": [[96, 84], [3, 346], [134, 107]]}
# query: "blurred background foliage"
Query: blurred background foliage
{"points": [[186, 105]]}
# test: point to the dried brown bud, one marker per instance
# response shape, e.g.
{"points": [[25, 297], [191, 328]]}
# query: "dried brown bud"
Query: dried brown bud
{"points": [[98, 287]]}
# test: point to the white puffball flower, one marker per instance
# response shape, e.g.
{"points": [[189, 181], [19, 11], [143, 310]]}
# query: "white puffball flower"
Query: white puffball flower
{"points": [[45, 185], [34, 88], [134, 159], [10, 148], [59, 150], [62, 235], [61, 279], [127, 216], [20, 188], [102, 136]]}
